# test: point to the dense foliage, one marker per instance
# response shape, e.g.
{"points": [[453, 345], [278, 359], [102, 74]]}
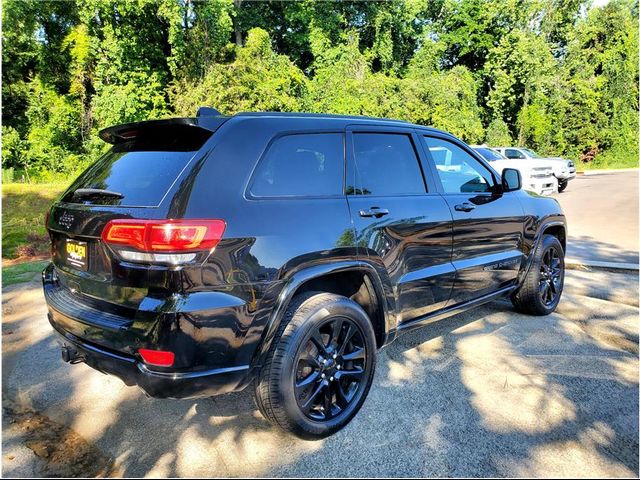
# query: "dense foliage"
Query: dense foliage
{"points": [[558, 76]]}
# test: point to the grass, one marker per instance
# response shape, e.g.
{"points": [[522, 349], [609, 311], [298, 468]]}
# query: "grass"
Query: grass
{"points": [[22, 272], [609, 161], [24, 207]]}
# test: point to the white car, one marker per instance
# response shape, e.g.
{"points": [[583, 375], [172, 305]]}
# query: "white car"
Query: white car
{"points": [[564, 170], [536, 177]]}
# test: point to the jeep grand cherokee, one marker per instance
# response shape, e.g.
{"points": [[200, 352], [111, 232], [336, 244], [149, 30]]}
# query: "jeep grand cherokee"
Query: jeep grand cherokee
{"points": [[203, 255]]}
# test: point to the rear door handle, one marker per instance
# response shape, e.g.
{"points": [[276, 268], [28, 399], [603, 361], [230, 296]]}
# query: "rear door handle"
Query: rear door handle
{"points": [[374, 212], [465, 207]]}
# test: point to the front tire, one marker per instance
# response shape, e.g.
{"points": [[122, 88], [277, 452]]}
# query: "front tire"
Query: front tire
{"points": [[320, 366], [542, 287], [562, 186]]}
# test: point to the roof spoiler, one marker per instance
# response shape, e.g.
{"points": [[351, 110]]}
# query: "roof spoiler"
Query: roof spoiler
{"points": [[200, 126]]}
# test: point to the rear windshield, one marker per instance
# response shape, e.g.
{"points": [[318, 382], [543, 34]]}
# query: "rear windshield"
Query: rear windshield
{"points": [[131, 175], [141, 178]]}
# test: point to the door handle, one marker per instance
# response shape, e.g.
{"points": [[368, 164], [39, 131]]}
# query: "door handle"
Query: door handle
{"points": [[374, 212], [464, 207]]}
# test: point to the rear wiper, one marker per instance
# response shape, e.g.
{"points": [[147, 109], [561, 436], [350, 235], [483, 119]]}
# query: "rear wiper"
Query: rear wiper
{"points": [[96, 192]]}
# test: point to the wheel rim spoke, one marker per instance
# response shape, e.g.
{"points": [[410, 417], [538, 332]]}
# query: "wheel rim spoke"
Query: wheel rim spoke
{"points": [[341, 396], [345, 340], [357, 354], [355, 374], [310, 360], [336, 328], [316, 339], [543, 289], [309, 402], [312, 378], [327, 403]]}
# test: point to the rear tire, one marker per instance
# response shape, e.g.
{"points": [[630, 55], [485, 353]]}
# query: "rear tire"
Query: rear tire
{"points": [[542, 287], [562, 186], [320, 366]]}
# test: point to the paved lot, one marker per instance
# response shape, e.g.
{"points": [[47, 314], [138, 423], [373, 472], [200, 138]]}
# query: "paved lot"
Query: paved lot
{"points": [[602, 214], [487, 393]]}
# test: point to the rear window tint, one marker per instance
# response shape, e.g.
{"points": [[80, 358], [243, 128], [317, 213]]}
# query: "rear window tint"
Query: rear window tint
{"points": [[301, 165], [142, 177]]}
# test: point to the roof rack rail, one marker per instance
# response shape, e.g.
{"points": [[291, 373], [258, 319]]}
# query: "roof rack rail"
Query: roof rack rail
{"points": [[207, 112], [316, 115]]}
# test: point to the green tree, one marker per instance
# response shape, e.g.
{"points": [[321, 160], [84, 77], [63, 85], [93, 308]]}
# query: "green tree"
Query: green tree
{"points": [[556, 75], [598, 105], [498, 133], [257, 79]]}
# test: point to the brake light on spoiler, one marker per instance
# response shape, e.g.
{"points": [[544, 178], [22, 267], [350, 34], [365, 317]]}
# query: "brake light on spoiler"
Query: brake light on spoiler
{"points": [[162, 241]]}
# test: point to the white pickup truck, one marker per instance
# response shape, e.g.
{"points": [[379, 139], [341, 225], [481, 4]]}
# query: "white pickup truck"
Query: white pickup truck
{"points": [[536, 177], [563, 170]]}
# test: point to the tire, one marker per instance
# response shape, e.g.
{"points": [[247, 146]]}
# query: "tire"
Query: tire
{"points": [[295, 357], [542, 287], [562, 186]]}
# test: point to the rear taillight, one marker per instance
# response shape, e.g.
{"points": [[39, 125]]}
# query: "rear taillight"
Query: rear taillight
{"points": [[157, 358], [164, 241]]}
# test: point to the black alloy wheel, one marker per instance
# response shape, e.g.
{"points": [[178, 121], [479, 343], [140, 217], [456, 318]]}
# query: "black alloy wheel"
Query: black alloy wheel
{"points": [[550, 276], [330, 369], [320, 366], [540, 291]]}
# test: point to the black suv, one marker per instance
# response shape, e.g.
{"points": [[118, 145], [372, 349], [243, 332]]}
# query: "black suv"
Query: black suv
{"points": [[202, 255]]}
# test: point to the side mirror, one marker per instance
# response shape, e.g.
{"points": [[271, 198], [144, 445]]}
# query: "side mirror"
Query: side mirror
{"points": [[511, 180]]}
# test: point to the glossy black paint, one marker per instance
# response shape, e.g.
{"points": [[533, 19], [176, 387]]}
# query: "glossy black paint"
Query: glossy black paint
{"points": [[422, 261]]}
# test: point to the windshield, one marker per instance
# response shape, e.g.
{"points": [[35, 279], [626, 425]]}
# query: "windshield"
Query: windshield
{"points": [[488, 154], [531, 153]]}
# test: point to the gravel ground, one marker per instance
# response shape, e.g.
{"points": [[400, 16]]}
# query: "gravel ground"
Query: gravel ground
{"points": [[486, 393]]}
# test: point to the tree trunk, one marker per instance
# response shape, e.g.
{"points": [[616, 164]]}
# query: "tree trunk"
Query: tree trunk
{"points": [[525, 103], [237, 29]]}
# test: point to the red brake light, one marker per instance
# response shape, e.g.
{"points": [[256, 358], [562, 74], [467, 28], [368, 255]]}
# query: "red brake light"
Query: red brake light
{"points": [[164, 235], [157, 357]]}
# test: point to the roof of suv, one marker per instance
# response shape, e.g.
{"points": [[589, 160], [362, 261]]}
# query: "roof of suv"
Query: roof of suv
{"points": [[120, 133], [346, 119]]}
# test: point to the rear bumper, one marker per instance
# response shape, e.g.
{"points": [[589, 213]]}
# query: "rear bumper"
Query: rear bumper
{"points": [[202, 333], [166, 384]]}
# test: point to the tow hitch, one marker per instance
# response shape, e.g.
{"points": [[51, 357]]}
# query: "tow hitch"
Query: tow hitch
{"points": [[71, 355]]}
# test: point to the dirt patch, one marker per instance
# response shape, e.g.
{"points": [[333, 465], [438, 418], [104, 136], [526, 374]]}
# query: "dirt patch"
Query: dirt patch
{"points": [[63, 451]]}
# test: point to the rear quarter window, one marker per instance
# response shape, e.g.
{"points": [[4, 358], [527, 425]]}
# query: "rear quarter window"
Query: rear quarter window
{"points": [[299, 165]]}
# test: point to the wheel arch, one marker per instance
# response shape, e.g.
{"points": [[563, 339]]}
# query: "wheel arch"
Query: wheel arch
{"points": [[357, 280], [558, 230], [555, 226]]}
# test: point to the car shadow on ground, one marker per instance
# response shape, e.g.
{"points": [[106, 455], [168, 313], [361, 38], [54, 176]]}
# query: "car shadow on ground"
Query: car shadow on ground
{"points": [[586, 248], [485, 393]]}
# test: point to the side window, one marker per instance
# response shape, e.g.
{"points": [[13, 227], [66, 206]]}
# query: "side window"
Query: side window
{"points": [[459, 172], [384, 164], [301, 165], [511, 153]]}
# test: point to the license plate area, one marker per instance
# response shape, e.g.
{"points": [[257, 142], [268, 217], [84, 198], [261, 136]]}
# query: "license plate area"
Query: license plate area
{"points": [[76, 254]]}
